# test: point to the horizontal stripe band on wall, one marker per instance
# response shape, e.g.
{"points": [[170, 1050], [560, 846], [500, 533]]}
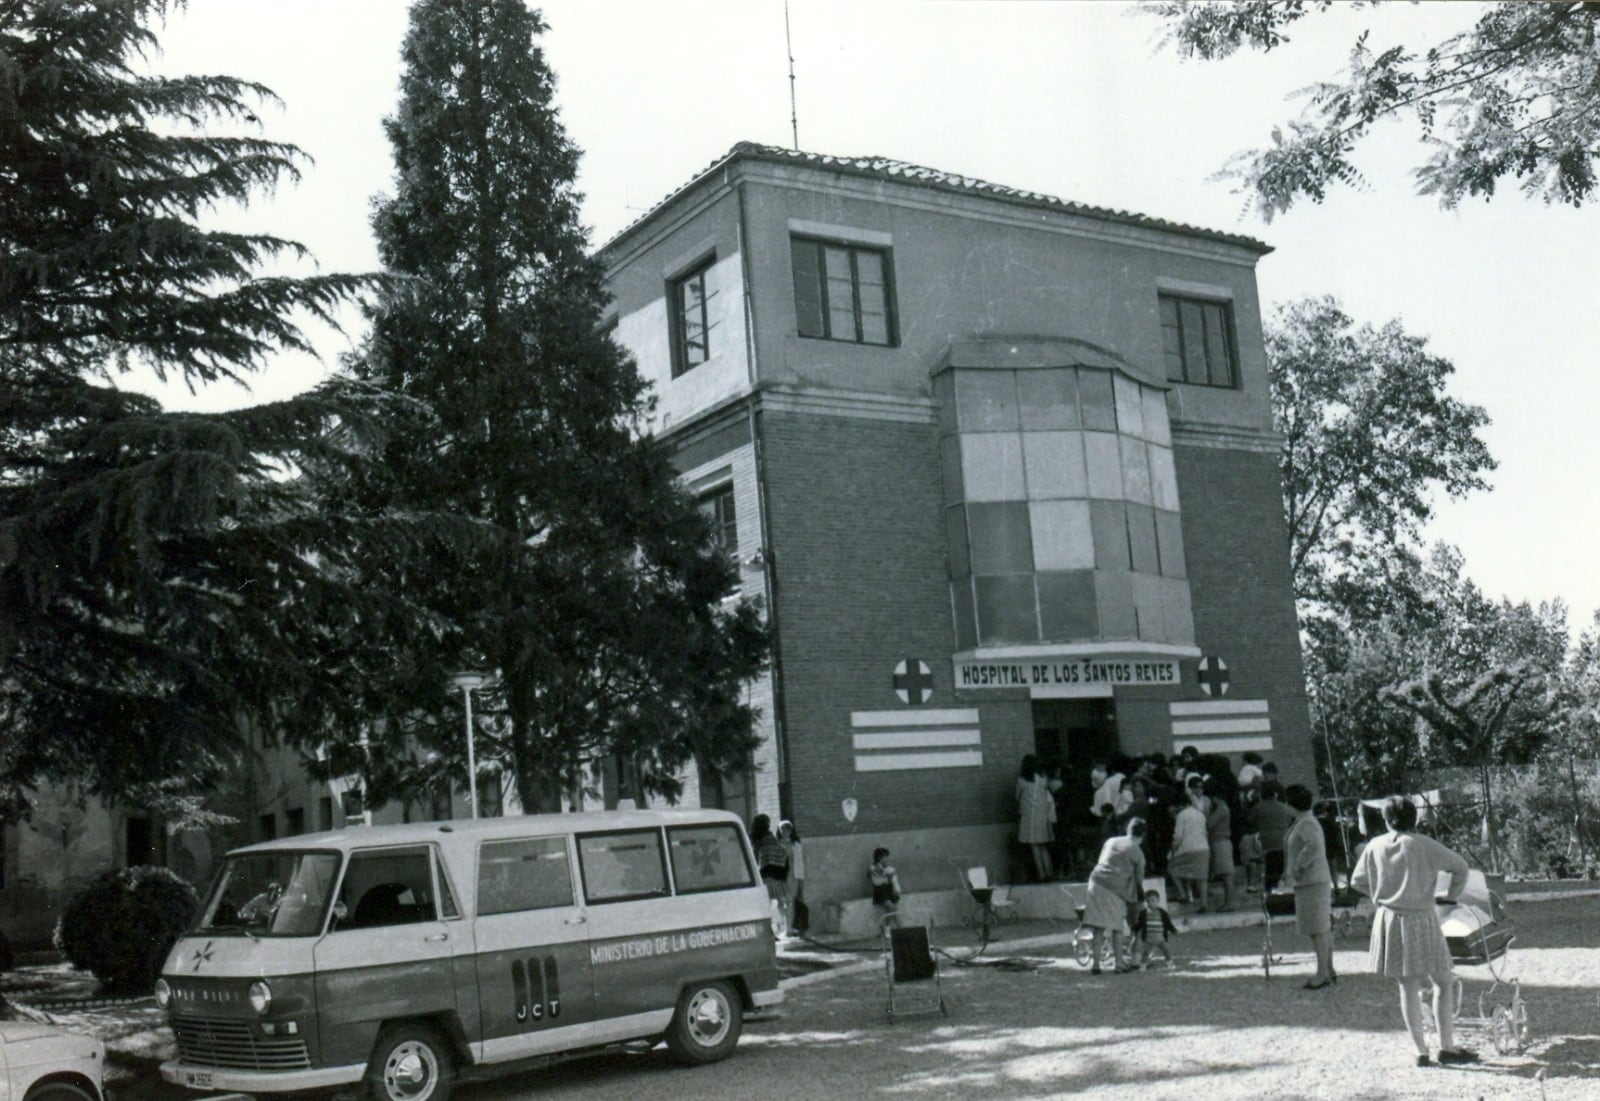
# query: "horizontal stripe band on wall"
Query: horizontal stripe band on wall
{"points": [[1225, 745], [1221, 726], [915, 739], [1218, 707], [895, 762], [962, 716]]}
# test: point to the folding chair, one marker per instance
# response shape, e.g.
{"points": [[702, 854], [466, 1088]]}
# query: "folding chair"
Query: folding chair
{"points": [[909, 961]]}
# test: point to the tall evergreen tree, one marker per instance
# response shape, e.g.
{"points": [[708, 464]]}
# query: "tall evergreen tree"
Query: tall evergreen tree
{"points": [[601, 604], [164, 577]]}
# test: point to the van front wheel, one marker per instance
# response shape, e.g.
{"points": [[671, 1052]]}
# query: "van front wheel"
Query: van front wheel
{"points": [[706, 1026], [410, 1063]]}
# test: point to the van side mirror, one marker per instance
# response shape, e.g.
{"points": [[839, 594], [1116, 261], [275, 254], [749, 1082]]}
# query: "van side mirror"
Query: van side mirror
{"points": [[340, 912]]}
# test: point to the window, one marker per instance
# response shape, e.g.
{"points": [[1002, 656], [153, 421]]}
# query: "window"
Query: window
{"points": [[842, 292], [491, 802], [1197, 340], [623, 865], [717, 507], [269, 827], [325, 812], [294, 821], [525, 874], [733, 789], [689, 314], [389, 887], [708, 858]]}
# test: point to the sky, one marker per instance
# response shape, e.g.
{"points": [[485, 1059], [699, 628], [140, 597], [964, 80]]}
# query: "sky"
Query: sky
{"points": [[1072, 99]]}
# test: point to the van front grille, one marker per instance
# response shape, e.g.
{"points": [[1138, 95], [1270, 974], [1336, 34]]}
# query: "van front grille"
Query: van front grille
{"points": [[210, 1042]]}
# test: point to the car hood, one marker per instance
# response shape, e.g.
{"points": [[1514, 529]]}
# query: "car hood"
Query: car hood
{"points": [[28, 1042]]}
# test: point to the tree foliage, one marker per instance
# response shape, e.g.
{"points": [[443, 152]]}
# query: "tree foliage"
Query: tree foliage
{"points": [[162, 575], [597, 595], [1515, 95], [1449, 680], [1369, 434]]}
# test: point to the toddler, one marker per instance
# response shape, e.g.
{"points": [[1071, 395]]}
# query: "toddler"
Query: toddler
{"points": [[1152, 928]]}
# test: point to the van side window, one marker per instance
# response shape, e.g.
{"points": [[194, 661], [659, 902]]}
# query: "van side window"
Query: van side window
{"points": [[447, 898], [708, 858], [529, 873], [387, 887], [622, 865]]}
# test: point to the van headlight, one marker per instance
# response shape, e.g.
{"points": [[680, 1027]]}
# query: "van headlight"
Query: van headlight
{"points": [[163, 993], [260, 996]]}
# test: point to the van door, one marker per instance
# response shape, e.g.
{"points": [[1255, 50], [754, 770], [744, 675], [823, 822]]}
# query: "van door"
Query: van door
{"points": [[535, 986], [387, 953]]}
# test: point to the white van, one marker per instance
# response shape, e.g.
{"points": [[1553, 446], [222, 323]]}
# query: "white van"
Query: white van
{"points": [[402, 954]]}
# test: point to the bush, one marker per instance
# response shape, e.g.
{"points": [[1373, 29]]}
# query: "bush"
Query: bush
{"points": [[123, 924], [1536, 823]]}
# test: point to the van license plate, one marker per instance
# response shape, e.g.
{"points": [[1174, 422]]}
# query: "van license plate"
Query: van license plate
{"points": [[199, 1079]]}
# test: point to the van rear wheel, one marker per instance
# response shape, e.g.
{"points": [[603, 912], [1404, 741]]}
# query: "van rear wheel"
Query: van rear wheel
{"points": [[410, 1063], [707, 1024], [59, 1091]]}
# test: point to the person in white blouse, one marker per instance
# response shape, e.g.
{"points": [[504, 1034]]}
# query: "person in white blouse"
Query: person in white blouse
{"points": [[1399, 872]]}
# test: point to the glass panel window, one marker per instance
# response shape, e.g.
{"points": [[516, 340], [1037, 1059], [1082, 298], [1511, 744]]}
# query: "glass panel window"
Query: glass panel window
{"points": [[717, 507], [842, 292], [529, 873], [276, 894], [1197, 342], [690, 299], [709, 858], [624, 865], [386, 887]]}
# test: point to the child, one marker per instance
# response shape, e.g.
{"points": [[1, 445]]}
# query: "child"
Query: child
{"points": [[1152, 928], [885, 887]]}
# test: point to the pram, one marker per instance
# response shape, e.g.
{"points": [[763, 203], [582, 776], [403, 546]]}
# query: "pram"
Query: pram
{"points": [[1083, 935], [1479, 934]]}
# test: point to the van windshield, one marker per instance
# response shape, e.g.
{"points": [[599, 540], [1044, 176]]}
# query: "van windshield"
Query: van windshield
{"points": [[276, 894]]}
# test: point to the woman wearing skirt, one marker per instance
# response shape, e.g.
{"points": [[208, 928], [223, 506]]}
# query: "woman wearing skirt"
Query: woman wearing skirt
{"points": [[1116, 889], [1398, 872]]}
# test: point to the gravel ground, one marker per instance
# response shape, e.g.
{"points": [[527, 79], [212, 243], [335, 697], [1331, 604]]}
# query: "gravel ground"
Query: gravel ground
{"points": [[1212, 1027]]}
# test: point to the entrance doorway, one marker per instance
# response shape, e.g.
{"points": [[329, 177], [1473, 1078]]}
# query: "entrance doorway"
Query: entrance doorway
{"points": [[1071, 735]]}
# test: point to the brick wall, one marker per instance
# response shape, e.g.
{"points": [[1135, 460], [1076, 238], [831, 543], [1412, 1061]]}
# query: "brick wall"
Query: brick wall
{"points": [[862, 584], [1237, 545]]}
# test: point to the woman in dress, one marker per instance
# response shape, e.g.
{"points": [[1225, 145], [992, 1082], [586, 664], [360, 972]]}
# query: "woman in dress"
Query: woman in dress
{"points": [[1036, 815], [794, 900], [1190, 858], [1115, 891], [1306, 865], [773, 860], [1219, 836], [1398, 871]]}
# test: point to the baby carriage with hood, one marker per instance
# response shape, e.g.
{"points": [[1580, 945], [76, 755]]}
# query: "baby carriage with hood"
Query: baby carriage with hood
{"points": [[1480, 934]]}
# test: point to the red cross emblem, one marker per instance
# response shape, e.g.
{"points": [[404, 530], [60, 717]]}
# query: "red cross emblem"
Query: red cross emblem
{"points": [[1213, 675], [913, 681]]}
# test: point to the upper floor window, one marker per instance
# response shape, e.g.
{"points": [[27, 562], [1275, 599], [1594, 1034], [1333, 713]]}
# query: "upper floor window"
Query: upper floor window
{"points": [[717, 507], [843, 292], [689, 309], [1197, 339]]}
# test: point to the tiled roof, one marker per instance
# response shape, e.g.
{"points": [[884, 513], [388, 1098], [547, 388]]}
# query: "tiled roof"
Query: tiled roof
{"points": [[886, 168]]}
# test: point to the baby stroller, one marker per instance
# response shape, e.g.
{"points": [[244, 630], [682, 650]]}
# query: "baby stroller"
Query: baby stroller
{"points": [[1083, 936], [1480, 934]]}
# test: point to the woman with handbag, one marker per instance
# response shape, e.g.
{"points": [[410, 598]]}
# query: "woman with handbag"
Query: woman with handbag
{"points": [[773, 860]]}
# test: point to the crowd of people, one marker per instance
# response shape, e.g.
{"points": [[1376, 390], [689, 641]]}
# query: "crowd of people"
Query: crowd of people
{"points": [[1207, 825]]}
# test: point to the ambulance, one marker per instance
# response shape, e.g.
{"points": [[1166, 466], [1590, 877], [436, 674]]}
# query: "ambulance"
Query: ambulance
{"points": [[404, 956]]}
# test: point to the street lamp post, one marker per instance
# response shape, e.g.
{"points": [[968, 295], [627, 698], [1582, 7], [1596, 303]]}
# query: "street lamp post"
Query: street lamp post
{"points": [[469, 683]]}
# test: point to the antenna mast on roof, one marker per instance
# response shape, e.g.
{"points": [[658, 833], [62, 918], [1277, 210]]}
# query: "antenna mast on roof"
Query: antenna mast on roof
{"points": [[794, 118]]}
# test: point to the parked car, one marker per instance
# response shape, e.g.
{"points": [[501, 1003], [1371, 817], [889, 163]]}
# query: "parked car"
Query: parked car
{"points": [[47, 1063]]}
